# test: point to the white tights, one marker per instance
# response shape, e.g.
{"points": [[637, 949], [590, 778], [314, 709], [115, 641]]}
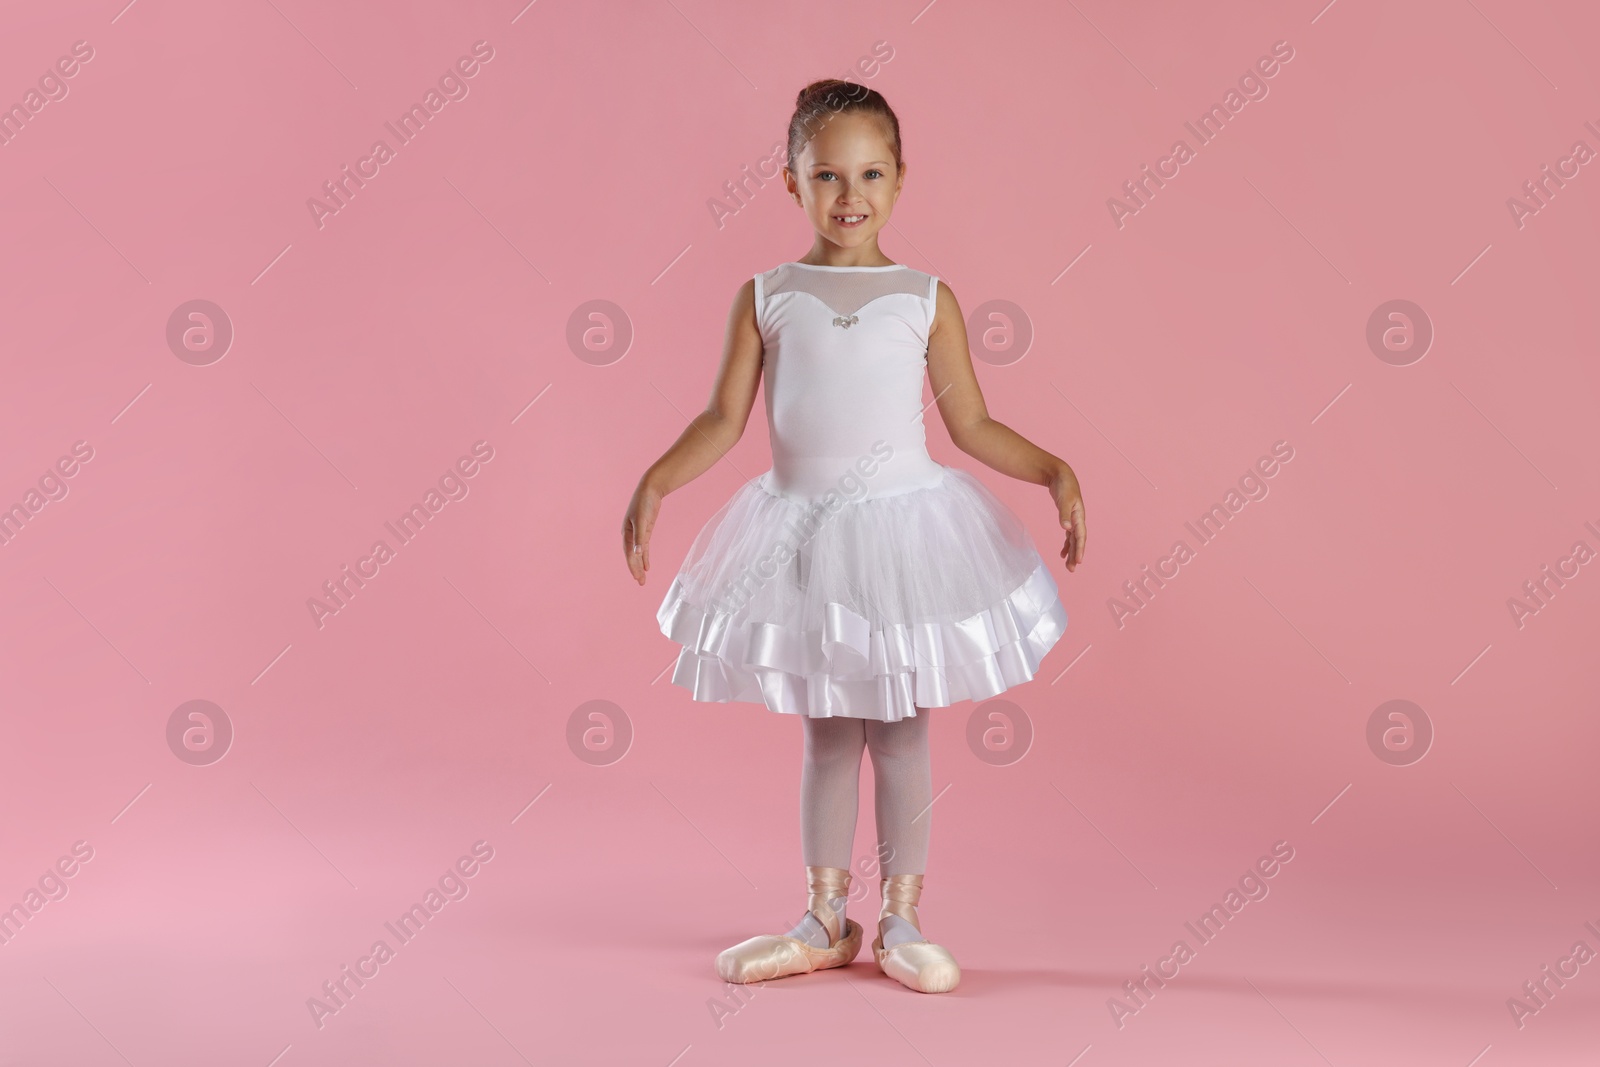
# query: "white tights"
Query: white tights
{"points": [[902, 794]]}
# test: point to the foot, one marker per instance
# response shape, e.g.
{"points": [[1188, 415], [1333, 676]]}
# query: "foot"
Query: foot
{"points": [[900, 949], [822, 939]]}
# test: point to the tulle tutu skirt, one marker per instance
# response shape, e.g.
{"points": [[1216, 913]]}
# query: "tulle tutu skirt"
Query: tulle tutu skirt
{"points": [[868, 610]]}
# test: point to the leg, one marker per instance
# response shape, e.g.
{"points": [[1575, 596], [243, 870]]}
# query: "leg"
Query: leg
{"points": [[903, 805], [828, 795], [902, 792], [829, 784]]}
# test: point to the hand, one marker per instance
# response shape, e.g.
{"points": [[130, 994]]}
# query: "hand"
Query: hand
{"points": [[636, 527], [1069, 502]]}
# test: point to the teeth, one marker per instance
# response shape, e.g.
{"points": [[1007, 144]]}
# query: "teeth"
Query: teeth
{"points": [[849, 218]]}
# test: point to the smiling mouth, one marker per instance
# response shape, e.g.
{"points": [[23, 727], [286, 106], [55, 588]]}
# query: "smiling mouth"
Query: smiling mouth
{"points": [[849, 220]]}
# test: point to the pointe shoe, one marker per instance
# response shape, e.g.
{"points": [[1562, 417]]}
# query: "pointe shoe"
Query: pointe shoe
{"points": [[919, 965], [778, 955]]}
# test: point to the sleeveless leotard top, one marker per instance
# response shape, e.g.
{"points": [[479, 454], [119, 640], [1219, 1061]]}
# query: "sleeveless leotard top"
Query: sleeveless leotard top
{"points": [[845, 353]]}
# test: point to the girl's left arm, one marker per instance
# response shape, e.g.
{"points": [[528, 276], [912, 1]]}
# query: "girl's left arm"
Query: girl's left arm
{"points": [[993, 443]]}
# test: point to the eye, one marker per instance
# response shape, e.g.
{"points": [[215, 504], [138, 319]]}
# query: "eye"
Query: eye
{"points": [[875, 172], [821, 174]]}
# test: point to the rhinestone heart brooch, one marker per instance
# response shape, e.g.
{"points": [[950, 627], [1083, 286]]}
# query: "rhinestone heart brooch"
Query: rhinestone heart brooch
{"points": [[840, 320]]}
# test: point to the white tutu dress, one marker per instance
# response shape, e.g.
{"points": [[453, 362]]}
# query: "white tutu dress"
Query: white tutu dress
{"points": [[856, 577]]}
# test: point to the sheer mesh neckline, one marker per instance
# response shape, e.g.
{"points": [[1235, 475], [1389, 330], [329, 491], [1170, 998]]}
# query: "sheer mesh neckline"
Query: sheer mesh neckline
{"points": [[820, 266], [846, 290]]}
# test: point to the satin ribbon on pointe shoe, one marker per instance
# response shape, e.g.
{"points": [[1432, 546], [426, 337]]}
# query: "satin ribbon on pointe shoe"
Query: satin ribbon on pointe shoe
{"points": [[769, 956], [919, 965]]}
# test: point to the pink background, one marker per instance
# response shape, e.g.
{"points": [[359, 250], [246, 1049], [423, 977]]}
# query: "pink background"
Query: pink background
{"points": [[1168, 752]]}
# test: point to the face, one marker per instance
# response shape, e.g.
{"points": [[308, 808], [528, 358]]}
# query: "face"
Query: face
{"points": [[846, 180]]}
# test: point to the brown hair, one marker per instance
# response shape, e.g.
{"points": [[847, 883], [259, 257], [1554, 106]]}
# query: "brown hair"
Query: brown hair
{"points": [[818, 102]]}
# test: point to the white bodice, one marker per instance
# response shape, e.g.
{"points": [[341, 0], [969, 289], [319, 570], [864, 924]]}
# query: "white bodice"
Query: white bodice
{"points": [[844, 357]]}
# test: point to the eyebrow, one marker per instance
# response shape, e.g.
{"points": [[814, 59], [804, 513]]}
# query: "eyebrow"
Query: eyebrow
{"points": [[872, 163]]}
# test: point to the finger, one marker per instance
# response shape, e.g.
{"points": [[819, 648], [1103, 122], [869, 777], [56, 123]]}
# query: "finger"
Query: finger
{"points": [[642, 545], [632, 550]]}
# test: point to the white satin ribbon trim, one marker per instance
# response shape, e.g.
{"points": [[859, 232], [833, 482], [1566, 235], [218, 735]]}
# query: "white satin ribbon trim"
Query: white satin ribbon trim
{"points": [[851, 670]]}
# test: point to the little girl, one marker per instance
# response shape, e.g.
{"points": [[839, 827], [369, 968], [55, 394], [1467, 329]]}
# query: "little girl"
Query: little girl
{"points": [[857, 583]]}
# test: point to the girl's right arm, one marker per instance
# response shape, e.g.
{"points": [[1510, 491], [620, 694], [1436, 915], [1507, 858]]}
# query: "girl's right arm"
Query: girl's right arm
{"points": [[709, 434]]}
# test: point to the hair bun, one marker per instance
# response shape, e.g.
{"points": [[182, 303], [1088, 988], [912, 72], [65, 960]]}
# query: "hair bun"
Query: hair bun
{"points": [[819, 101], [818, 89]]}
